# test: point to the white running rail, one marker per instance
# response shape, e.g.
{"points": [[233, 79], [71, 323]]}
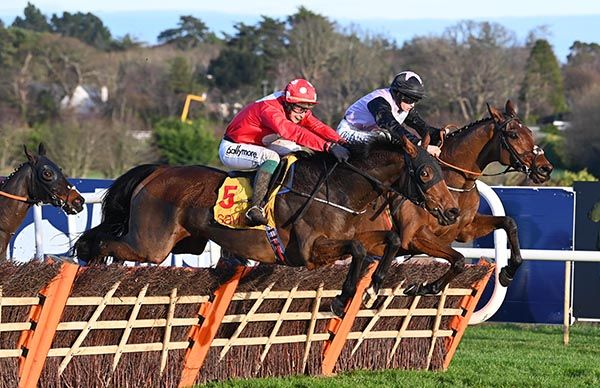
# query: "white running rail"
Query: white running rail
{"points": [[501, 253]]}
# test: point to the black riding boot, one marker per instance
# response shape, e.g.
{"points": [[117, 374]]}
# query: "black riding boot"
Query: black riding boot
{"points": [[256, 214]]}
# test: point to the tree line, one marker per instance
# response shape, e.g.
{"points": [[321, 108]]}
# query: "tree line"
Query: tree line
{"points": [[43, 61]]}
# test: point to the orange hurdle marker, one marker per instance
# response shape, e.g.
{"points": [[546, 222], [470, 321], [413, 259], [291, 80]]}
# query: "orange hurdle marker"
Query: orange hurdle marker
{"points": [[459, 323], [202, 336], [45, 317], [340, 327]]}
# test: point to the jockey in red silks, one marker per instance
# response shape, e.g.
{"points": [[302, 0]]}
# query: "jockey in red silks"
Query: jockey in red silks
{"points": [[385, 110], [273, 126]]}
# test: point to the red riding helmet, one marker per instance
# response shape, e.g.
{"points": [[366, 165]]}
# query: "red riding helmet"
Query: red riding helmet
{"points": [[300, 91]]}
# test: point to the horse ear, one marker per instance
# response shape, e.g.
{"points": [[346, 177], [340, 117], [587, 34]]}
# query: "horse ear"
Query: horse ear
{"points": [[510, 109], [495, 113], [41, 149], [29, 156], [425, 141], [409, 147]]}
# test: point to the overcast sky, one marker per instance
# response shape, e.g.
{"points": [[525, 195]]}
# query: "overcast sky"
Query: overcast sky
{"points": [[346, 9]]}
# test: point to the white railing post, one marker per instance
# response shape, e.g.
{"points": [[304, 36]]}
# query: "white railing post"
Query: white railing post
{"points": [[500, 255], [38, 230]]}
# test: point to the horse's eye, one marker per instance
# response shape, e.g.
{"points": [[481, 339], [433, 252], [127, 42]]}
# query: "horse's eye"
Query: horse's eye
{"points": [[424, 173], [513, 135], [47, 174]]}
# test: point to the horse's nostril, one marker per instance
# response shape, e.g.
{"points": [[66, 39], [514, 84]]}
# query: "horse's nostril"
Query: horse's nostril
{"points": [[452, 213], [546, 169]]}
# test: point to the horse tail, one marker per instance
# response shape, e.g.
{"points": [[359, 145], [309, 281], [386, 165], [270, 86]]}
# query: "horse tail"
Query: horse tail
{"points": [[116, 203], [115, 211]]}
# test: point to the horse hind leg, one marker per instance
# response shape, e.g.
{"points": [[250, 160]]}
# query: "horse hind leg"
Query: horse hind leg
{"points": [[122, 250], [88, 247]]}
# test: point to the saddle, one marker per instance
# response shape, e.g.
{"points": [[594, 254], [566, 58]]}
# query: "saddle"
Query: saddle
{"points": [[236, 190]]}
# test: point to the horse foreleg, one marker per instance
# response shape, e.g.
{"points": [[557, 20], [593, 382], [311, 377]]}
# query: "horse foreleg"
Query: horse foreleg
{"points": [[338, 248], [427, 242], [386, 245], [483, 225]]}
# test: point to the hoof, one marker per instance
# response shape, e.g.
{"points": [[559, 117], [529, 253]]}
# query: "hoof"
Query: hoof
{"points": [[419, 289], [338, 307], [369, 297], [413, 290], [504, 277]]}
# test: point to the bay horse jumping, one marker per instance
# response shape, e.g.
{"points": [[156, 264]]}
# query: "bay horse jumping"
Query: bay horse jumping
{"points": [[465, 153], [38, 180], [153, 210]]}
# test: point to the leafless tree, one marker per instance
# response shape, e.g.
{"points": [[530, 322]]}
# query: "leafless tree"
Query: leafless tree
{"points": [[359, 64], [310, 45], [470, 64], [583, 137]]}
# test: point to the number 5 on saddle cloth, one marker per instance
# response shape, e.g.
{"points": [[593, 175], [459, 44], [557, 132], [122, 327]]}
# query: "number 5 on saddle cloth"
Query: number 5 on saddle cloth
{"points": [[233, 202]]}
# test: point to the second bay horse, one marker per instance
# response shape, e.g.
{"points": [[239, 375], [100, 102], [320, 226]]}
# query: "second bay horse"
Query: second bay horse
{"points": [[465, 153]]}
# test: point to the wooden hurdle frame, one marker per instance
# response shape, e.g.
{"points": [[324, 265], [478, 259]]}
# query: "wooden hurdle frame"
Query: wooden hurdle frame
{"points": [[44, 322]]}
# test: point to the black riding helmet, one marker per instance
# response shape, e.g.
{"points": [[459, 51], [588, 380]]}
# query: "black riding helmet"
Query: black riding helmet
{"points": [[407, 84]]}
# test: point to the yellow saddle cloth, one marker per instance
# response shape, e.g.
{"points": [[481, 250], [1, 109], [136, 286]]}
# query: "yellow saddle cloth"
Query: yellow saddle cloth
{"points": [[233, 201]]}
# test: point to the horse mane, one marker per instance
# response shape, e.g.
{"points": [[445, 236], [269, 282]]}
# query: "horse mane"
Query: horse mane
{"points": [[467, 127], [16, 170]]}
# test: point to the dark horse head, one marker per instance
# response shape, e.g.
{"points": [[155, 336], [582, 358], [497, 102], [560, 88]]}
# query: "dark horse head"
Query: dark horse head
{"points": [[46, 183], [518, 147], [424, 184], [38, 180]]}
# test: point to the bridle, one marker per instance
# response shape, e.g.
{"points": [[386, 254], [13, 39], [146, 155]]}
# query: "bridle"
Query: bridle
{"points": [[34, 184], [518, 159], [521, 166], [416, 189]]}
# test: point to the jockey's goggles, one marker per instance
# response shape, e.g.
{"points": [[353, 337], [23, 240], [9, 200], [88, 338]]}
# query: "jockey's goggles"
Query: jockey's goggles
{"points": [[408, 100], [296, 108]]}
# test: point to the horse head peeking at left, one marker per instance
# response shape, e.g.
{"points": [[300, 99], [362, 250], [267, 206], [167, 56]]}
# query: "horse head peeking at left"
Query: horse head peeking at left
{"points": [[38, 180], [153, 210]]}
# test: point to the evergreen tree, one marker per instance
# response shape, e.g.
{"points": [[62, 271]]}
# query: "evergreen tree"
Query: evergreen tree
{"points": [[181, 77], [542, 91], [34, 20], [186, 143], [251, 55], [581, 52], [86, 27], [125, 43], [191, 33]]}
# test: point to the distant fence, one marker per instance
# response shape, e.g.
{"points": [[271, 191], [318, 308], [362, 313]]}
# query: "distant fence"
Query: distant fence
{"points": [[62, 325]]}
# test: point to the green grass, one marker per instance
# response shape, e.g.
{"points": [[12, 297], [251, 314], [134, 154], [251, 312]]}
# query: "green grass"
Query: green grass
{"points": [[499, 355]]}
